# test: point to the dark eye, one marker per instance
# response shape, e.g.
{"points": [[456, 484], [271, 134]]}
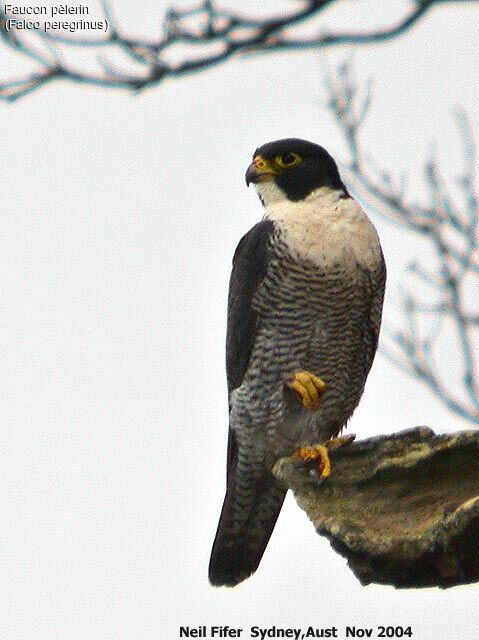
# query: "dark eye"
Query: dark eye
{"points": [[288, 160]]}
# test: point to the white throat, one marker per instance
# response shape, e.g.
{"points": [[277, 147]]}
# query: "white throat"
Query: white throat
{"points": [[269, 192], [325, 228]]}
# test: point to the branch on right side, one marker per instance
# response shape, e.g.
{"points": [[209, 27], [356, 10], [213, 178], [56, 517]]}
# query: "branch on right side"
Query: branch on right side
{"points": [[402, 508], [442, 314]]}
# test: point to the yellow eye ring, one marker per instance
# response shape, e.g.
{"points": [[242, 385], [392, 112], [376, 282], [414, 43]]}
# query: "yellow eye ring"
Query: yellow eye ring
{"points": [[288, 160]]}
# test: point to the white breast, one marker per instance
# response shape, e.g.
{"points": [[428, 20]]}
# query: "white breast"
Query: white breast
{"points": [[327, 229]]}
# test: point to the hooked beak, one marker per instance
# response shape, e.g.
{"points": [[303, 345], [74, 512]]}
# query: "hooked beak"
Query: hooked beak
{"points": [[260, 170]]}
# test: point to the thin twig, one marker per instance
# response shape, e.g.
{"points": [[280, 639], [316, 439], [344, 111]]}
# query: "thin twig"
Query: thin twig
{"points": [[232, 33], [415, 348]]}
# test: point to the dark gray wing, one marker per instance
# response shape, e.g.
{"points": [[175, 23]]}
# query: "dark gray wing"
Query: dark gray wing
{"points": [[253, 498], [250, 263]]}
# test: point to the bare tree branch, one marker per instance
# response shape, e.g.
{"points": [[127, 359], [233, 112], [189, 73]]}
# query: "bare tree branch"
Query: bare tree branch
{"points": [[219, 34], [450, 226]]}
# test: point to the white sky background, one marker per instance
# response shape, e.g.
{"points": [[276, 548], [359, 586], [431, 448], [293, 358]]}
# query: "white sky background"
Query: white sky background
{"points": [[120, 218]]}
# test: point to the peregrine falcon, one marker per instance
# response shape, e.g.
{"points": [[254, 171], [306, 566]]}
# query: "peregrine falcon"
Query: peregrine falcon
{"points": [[304, 312]]}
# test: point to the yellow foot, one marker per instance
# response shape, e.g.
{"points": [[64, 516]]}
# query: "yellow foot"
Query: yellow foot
{"points": [[319, 454], [308, 388]]}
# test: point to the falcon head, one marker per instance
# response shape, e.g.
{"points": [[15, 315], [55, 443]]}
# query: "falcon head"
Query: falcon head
{"points": [[291, 169]]}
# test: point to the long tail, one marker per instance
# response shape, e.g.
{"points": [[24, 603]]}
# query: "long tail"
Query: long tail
{"points": [[251, 507]]}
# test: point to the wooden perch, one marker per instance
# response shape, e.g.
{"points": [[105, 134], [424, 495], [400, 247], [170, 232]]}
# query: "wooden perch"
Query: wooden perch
{"points": [[403, 508]]}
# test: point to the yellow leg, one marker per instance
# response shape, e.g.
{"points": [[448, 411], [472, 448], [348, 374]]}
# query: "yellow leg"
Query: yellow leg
{"points": [[316, 453], [320, 453], [309, 389]]}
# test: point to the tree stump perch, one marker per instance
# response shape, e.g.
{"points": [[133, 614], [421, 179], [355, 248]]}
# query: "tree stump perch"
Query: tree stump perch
{"points": [[402, 508]]}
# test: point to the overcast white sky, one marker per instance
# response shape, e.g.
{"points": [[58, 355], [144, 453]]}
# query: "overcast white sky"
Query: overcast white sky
{"points": [[120, 217]]}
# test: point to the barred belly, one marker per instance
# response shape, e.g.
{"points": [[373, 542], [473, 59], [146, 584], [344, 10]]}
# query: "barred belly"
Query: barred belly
{"points": [[308, 319]]}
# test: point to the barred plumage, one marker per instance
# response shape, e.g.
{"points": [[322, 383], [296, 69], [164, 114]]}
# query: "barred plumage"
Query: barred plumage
{"points": [[314, 320], [306, 294]]}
